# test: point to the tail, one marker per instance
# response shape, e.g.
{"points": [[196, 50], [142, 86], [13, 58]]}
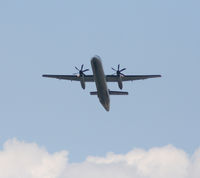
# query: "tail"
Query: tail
{"points": [[111, 93]]}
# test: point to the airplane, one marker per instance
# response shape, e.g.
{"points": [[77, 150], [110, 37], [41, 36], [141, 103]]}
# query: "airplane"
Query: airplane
{"points": [[101, 80]]}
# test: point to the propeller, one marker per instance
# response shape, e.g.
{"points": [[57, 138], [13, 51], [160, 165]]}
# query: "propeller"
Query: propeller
{"points": [[80, 71], [118, 71]]}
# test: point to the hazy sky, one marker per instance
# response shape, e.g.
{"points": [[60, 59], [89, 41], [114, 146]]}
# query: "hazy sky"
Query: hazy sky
{"points": [[146, 37]]}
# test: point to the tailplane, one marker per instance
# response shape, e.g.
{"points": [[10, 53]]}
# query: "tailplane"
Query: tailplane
{"points": [[93, 93], [111, 93], [118, 92]]}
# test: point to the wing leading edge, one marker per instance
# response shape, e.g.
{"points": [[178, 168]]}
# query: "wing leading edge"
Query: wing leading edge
{"points": [[87, 78], [109, 78], [114, 78]]}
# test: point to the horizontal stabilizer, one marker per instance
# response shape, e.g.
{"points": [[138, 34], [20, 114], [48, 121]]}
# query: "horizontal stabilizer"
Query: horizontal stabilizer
{"points": [[111, 93], [118, 93], [93, 93]]}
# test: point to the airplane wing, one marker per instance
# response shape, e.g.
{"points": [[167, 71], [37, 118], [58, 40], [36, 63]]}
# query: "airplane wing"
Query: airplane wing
{"points": [[87, 78], [114, 78]]}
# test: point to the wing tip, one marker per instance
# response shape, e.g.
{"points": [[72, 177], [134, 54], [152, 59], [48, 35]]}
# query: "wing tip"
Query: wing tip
{"points": [[155, 76]]}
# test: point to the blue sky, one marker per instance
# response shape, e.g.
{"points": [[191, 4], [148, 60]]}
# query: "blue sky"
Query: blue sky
{"points": [[147, 37]]}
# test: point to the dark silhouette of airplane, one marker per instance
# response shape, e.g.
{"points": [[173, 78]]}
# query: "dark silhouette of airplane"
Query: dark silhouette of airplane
{"points": [[101, 80]]}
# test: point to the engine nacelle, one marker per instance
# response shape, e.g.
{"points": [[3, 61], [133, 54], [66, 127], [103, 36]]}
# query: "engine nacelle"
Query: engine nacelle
{"points": [[119, 80], [82, 81]]}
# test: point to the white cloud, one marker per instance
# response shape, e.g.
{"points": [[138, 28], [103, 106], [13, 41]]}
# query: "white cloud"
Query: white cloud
{"points": [[28, 160]]}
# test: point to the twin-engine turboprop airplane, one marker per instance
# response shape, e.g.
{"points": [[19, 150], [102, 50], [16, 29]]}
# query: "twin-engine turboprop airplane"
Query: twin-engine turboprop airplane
{"points": [[101, 80]]}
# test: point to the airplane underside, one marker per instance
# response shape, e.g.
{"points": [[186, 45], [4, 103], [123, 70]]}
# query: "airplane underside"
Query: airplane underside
{"points": [[101, 80]]}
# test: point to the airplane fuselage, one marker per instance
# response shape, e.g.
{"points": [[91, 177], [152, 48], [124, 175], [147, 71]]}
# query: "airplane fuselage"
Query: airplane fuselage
{"points": [[100, 81]]}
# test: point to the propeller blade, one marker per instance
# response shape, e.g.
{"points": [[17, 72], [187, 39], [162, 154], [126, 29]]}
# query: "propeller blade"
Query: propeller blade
{"points": [[77, 68], [80, 71], [82, 67], [122, 69], [85, 70], [114, 69], [118, 72]]}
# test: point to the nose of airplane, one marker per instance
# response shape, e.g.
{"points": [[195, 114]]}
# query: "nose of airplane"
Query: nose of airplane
{"points": [[96, 57], [95, 60]]}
